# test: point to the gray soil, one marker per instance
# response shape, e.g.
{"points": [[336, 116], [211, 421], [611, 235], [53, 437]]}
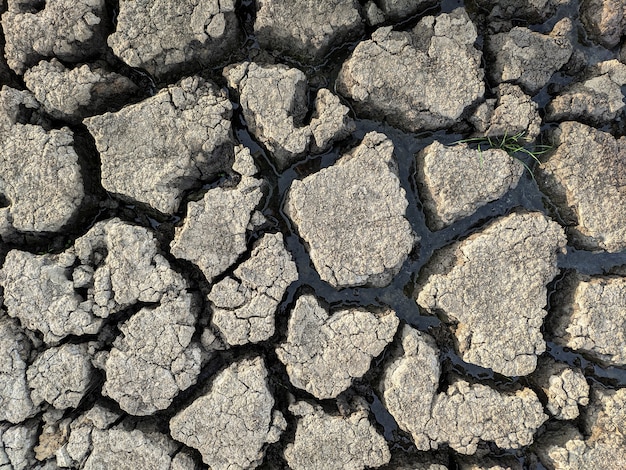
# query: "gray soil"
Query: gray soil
{"points": [[331, 234]]}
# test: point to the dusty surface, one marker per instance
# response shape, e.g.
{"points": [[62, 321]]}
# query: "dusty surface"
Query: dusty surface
{"points": [[303, 234]]}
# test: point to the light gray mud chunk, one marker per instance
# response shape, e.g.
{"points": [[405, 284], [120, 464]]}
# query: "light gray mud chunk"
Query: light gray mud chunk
{"points": [[512, 113], [164, 36], [566, 388], [232, 423], [598, 99], [61, 376], [39, 171], [409, 383], [334, 442], [590, 317], [352, 216], [117, 263], [275, 103], [399, 76], [120, 265], [156, 344], [466, 414], [604, 20], [118, 448], [586, 173], [76, 447], [244, 304], [70, 30], [15, 402], [306, 29], [455, 181], [462, 416], [324, 353], [604, 447], [214, 233], [72, 94], [528, 58], [16, 446], [39, 291], [492, 288], [395, 10], [154, 150]]}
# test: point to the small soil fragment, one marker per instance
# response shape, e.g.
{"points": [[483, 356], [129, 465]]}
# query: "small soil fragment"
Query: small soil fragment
{"points": [[492, 288], [598, 99], [604, 20], [215, 229], [70, 30], [244, 304], [325, 353], [590, 317], [274, 103], [334, 442], [352, 216], [167, 37], [527, 58], [73, 94], [154, 150], [40, 175], [231, 424], [399, 76], [306, 29], [566, 388], [455, 181], [585, 178]]}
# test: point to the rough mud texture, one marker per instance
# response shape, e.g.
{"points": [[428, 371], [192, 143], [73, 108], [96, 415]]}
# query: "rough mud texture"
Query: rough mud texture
{"points": [[512, 113], [40, 175], [231, 424], [529, 59], [157, 342], [61, 376], [70, 30], [497, 317], [281, 127], [16, 446], [324, 353], [467, 413], [117, 448], [597, 100], [118, 264], [399, 76], [456, 180], [360, 194], [248, 234], [587, 170], [166, 37], [601, 446], [73, 94], [590, 317], [244, 304], [565, 388], [155, 150], [306, 29], [15, 402], [604, 20], [215, 229], [461, 416], [334, 442]]}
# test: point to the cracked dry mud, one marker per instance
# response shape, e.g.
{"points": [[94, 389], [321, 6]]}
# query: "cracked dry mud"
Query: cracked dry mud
{"points": [[333, 234]]}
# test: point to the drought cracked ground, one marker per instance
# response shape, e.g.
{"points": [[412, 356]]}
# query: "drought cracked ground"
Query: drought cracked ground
{"points": [[288, 234]]}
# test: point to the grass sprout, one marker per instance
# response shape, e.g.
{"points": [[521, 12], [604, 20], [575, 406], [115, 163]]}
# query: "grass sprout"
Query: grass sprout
{"points": [[511, 144]]}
